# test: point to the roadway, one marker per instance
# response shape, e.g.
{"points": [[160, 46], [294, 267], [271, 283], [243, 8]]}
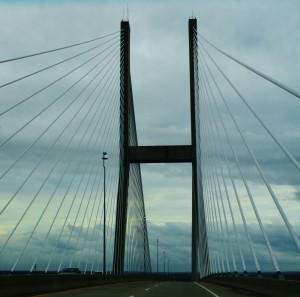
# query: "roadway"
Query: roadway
{"points": [[154, 289]]}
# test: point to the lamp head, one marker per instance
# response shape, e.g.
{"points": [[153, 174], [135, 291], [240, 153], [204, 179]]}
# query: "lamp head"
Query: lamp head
{"points": [[104, 157]]}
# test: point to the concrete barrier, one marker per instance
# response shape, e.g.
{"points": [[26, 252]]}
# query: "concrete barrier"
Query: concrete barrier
{"points": [[31, 284], [266, 286]]}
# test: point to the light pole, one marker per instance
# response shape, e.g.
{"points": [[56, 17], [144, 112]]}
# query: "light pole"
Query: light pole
{"points": [[164, 262], [144, 225], [157, 255], [104, 157]]}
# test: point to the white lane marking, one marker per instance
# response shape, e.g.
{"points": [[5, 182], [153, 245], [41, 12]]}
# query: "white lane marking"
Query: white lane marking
{"points": [[156, 286], [207, 290], [147, 289]]}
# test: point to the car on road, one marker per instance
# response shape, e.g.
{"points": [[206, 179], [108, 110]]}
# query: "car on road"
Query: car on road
{"points": [[70, 270]]}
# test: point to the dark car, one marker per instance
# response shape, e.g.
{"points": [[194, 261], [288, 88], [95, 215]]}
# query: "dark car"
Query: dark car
{"points": [[70, 271]]}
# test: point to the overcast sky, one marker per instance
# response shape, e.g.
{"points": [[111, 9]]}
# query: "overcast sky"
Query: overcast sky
{"points": [[263, 34]]}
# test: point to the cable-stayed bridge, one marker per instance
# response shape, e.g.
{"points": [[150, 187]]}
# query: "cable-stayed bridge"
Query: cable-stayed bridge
{"points": [[63, 204]]}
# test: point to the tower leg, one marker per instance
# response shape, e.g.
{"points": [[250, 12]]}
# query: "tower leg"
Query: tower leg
{"points": [[122, 199]]}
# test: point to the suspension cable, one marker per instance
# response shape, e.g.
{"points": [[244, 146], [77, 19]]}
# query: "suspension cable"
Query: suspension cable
{"points": [[107, 140], [270, 79], [77, 169], [282, 147], [230, 207], [56, 163], [53, 122], [215, 200], [57, 49], [81, 180], [34, 198], [54, 65], [274, 262], [51, 145], [283, 215], [59, 79]]}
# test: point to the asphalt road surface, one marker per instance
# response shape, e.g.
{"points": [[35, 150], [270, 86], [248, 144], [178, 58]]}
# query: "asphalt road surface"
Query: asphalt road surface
{"points": [[155, 289]]}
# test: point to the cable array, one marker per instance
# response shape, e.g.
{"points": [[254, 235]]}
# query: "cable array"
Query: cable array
{"points": [[58, 119], [137, 253], [235, 212], [131, 251]]}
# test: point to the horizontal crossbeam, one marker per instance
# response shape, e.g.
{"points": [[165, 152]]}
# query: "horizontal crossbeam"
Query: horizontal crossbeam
{"points": [[160, 154]]}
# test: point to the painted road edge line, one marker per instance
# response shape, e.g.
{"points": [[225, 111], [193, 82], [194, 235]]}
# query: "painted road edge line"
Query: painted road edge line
{"points": [[207, 290]]}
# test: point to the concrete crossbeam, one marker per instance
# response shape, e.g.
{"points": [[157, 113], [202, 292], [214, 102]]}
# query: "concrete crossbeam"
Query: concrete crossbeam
{"points": [[160, 154]]}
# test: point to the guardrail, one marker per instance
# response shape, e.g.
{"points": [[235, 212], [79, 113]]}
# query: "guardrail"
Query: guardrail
{"points": [[23, 285], [34, 284], [266, 286]]}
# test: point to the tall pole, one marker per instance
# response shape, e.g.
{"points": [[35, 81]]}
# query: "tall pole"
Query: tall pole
{"points": [[164, 262], [157, 255], [104, 157], [144, 225]]}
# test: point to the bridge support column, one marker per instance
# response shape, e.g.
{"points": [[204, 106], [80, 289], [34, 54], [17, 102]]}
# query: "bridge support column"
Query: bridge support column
{"points": [[199, 237], [125, 94], [137, 154], [195, 237]]}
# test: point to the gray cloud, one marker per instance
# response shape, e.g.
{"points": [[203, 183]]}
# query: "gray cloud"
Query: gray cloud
{"points": [[175, 240], [262, 34]]}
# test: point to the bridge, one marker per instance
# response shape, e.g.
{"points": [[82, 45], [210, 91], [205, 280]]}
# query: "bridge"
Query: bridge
{"points": [[71, 184]]}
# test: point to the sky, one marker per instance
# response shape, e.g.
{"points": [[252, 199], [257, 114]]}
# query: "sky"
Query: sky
{"points": [[263, 34]]}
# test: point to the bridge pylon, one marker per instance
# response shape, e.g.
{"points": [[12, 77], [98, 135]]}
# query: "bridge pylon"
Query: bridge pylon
{"points": [[125, 101], [130, 152], [200, 257]]}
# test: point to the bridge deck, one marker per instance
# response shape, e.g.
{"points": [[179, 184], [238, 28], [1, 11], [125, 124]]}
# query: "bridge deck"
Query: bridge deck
{"points": [[97, 285], [157, 289]]}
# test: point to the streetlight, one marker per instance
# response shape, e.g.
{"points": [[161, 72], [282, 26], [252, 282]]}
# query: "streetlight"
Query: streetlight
{"points": [[164, 262], [104, 157], [157, 255], [144, 225]]}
